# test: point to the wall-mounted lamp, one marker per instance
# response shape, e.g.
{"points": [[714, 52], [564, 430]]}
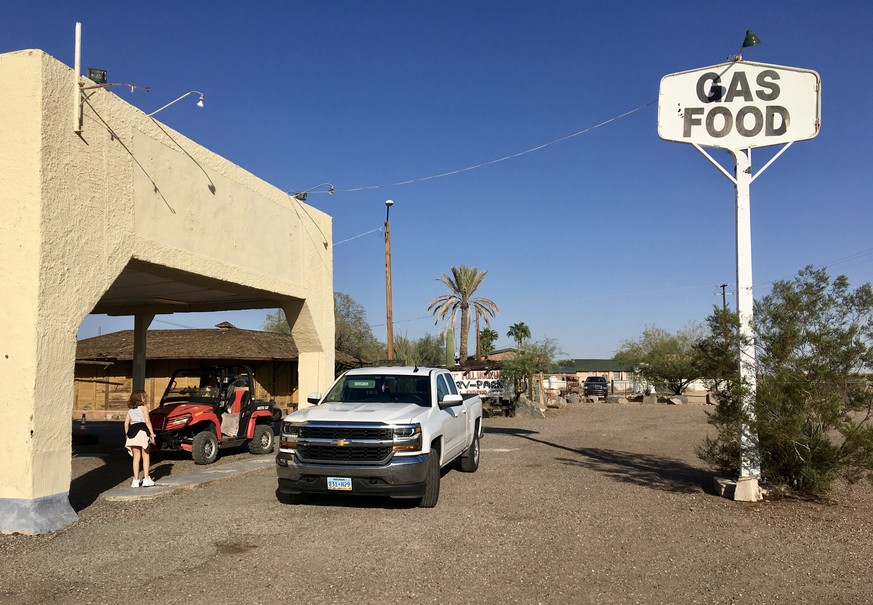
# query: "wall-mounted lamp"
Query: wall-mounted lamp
{"points": [[190, 92], [301, 195], [98, 76]]}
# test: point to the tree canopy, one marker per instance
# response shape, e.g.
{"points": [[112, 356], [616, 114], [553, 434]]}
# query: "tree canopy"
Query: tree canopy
{"points": [[521, 368], [462, 284], [669, 361], [352, 333], [519, 332], [429, 350], [486, 340]]}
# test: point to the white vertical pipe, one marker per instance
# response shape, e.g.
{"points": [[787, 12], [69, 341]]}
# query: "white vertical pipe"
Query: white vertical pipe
{"points": [[749, 462], [77, 91]]}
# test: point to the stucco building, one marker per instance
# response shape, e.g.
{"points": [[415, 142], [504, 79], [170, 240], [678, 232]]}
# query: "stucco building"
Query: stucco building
{"points": [[106, 210]]}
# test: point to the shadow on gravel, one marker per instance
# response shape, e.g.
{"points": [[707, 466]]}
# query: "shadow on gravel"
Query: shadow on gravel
{"points": [[655, 472], [85, 490], [343, 501], [105, 440], [497, 430]]}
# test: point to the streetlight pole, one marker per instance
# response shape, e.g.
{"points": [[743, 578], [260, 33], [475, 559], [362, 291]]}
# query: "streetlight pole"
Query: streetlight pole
{"points": [[389, 318]]}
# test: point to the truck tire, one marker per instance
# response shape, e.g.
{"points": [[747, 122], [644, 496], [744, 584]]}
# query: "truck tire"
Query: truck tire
{"points": [[204, 448], [470, 458], [432, 481], [263, 440]]}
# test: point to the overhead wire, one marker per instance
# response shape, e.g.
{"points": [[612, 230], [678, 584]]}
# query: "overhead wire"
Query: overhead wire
{"points": [[335, 244], [498, 160]]}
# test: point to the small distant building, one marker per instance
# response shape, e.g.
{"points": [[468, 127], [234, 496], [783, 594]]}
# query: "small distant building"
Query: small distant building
{"points": [[498, 355], [569, 377]]}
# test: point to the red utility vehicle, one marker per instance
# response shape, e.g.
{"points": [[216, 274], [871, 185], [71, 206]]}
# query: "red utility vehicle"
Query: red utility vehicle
{"points": [[205, 409]]}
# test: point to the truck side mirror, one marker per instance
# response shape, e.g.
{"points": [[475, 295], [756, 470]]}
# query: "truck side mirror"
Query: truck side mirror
{"points": [[313, 398], [450, 401]]}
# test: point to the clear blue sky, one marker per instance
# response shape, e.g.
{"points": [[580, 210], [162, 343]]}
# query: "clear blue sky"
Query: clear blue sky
{"points": [[588, 240]]}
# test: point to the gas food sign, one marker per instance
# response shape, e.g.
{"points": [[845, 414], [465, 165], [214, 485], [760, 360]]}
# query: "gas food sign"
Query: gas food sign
{"points": [[740, 105]]}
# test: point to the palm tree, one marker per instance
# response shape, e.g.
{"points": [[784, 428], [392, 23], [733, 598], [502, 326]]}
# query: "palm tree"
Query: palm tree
{"points": [[519, 332], [487, 337], [462, 283]]}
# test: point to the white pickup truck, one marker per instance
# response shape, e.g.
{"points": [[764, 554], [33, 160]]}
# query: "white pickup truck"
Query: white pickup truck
{"points": [[380, 431]]}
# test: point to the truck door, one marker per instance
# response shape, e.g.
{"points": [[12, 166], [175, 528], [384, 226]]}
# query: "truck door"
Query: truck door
{"points": [[454, 419]]}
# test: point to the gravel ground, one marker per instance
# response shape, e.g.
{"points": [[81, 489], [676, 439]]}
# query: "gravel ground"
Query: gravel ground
{"points": [[594, 504]]}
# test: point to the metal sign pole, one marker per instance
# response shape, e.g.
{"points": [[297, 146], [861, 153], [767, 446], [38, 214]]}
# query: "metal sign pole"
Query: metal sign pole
{"points": [[737, 106], [749, 458], [750, 465]]}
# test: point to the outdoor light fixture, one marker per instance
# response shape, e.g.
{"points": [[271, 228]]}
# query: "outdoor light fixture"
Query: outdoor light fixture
{"points": [[301, 195], [98, 76], [190, 92]]}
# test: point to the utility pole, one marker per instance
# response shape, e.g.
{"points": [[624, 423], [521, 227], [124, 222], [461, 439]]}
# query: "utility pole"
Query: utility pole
{"points": [[389, 313], [723, 296]]}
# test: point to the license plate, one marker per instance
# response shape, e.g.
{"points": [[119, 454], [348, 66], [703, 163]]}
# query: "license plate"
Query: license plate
{"points": [[340, 483]]}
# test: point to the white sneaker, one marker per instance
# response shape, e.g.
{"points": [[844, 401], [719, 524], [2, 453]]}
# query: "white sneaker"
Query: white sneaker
{"points": [[148, 482], [134, 483]]}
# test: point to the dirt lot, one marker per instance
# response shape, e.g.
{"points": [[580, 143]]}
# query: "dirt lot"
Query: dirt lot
{"points": [[595, 504]]}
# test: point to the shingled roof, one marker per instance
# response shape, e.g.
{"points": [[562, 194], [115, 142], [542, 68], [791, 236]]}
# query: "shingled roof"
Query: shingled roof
{"points": [[226, 342]]}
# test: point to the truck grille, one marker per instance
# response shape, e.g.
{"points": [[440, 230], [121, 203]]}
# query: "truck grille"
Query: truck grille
{"points": [[345, 432], [354, 454], [338, 444]]}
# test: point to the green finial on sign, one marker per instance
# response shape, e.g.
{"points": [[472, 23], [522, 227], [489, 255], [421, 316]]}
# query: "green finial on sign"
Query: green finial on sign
{"points": [[751, 39]]}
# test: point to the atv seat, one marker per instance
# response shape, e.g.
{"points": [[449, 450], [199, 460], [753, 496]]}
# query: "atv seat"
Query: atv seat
{"points": [[235, 397]]}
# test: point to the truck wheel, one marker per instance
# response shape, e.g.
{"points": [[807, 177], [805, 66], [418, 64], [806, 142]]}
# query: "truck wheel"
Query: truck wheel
{"points": [[470, 458], [262, 441], [204, 448], [432, 481]]}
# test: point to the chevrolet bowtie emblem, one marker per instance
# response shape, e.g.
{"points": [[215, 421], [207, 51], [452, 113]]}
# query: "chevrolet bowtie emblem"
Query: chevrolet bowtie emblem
{"points": [[340, 442]]}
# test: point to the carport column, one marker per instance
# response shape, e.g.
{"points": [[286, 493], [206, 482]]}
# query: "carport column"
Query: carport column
{"points": [[141, 325], [35, 433], [315, 348], [311, 376]]}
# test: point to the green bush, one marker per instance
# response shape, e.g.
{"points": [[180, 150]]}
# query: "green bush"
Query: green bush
{"points": [[813, 403]]}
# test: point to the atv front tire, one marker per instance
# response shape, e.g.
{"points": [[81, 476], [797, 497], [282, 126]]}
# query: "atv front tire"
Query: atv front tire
{"points": [[204, 447]]}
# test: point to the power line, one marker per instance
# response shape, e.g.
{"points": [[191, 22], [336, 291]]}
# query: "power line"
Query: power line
{"points": [[335, 244], [401, 321], [498, 160]]}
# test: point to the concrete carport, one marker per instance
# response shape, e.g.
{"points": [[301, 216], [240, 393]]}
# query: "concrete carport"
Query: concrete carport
{"points": [[124, 217]]}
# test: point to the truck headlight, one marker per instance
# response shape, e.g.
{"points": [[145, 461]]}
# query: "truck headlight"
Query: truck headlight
{"points": [[407, 438], [289, 435]]}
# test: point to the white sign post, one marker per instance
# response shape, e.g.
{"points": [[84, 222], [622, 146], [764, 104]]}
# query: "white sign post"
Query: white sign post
{"points": [[736, 106]]}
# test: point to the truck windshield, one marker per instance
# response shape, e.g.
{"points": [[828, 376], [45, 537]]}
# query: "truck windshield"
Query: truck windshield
{"points": [[381, 388]]}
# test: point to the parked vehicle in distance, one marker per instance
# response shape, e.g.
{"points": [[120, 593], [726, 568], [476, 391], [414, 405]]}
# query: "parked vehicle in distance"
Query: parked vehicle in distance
{"points": [[205, 409], [381, 432], [596, 386]]}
